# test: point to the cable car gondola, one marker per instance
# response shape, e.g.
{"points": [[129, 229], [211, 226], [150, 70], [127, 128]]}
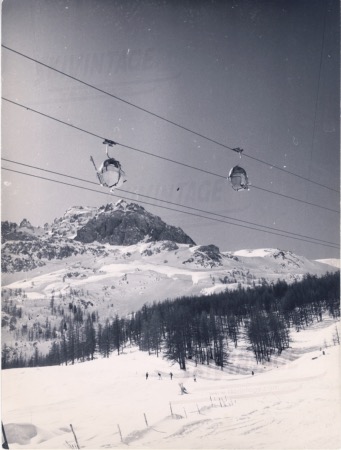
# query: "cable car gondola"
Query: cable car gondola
{"points": [[110, 173], [238, 178]]}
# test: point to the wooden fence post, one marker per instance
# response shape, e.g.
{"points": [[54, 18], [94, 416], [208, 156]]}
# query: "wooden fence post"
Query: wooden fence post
{"points": [[74, 434], [145, 419], [119, 430], [4, 438], [170, 405]]}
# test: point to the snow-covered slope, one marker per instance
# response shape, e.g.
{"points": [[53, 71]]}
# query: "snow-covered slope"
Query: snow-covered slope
{"points": [[129, 276], [292, 403], [331, 262]]}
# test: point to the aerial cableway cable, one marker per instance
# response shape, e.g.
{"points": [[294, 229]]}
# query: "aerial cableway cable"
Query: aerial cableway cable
{"points": [[173, 209], [162, 157], [168, 202], [171, 122]]}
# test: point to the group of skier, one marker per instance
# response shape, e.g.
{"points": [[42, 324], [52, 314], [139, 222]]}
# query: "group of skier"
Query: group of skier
{"points": [[170, 374], [159, 375], [183, 390]]}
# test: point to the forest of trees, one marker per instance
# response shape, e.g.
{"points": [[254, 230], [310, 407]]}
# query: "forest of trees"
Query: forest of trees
{"points": [[201, 329]]}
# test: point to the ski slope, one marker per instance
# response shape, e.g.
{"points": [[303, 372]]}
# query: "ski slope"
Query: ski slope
{"points": [[291, 403]]}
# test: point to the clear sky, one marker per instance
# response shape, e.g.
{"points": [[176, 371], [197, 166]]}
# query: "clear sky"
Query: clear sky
{"points": [[260, 75]]}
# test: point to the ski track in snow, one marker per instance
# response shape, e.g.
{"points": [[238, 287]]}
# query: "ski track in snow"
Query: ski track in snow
{"points": [[291, 403]]}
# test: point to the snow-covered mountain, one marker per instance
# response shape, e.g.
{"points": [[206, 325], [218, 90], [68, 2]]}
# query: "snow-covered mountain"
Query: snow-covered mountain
{"points": [[122, 255], [112, 260], [26, 247]]}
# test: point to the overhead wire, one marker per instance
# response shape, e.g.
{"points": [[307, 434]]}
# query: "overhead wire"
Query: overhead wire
{"points": [[164, 201], [207, 138], [289, 235], [118, 143], [162, 157]]}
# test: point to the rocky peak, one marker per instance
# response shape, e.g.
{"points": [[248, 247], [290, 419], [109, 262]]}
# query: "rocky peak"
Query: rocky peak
{"points": [[26, 224], [206, 256], [126, 224], [121, 205]]}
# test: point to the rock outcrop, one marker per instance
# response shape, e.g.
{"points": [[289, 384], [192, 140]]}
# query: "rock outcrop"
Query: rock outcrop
{"points": [[128, 224]]}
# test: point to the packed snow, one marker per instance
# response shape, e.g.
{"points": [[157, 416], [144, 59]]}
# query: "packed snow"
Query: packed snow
{"points": [[293, 402]]}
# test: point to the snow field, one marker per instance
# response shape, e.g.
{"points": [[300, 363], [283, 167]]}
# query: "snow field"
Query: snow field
{"points": [[137, 277], [285, 405]]}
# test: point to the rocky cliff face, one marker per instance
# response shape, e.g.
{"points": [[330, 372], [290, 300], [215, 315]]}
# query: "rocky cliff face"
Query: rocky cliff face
{"points": [[206, 256], [128, 224]]}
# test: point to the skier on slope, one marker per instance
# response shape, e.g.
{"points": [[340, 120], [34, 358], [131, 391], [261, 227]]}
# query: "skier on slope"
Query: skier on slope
{"points": [[183, 389]]}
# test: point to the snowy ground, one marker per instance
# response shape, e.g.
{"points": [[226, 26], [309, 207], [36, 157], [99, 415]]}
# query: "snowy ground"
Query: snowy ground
{"points": [[293, 403]]}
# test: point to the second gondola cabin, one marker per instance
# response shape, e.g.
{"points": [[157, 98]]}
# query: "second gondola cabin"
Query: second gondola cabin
{"points": [[238, 178]]}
